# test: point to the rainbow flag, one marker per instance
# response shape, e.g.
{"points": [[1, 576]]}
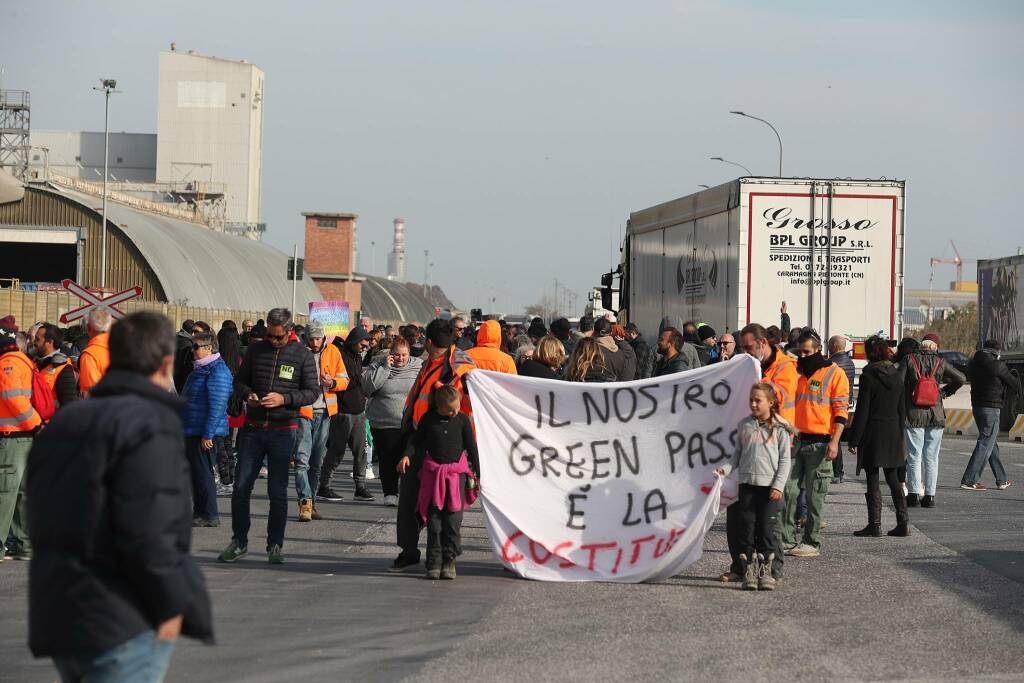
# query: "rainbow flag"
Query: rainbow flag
{"points": [[334, 315]]}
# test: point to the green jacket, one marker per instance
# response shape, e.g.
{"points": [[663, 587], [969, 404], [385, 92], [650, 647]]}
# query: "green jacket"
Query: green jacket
{"points": [[949, 378]]}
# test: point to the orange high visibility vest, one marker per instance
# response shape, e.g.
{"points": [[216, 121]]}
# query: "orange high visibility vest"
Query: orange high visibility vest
{"points": [[821, 398], [332, 364], [93, 362], [50, 374], [782, 374], [419, 395], [16, 411]]}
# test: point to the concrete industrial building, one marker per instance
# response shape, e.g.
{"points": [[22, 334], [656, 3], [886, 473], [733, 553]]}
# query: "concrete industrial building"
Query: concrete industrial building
{"points": [[79, 154], [210, 128]]}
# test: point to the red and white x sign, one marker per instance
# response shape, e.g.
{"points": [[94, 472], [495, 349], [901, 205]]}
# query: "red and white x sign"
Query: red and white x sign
{"points": [[96, 301]]}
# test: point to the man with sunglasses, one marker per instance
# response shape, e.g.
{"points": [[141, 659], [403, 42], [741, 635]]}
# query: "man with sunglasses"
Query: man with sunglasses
{"points": [[822, 410], [278, 376]]}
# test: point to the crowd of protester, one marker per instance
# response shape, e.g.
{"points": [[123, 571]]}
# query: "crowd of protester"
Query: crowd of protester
{"points": [[288, 402]]}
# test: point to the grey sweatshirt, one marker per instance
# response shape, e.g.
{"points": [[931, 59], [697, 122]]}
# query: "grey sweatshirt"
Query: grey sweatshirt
{"points": [[387, 388], [760, 459]]}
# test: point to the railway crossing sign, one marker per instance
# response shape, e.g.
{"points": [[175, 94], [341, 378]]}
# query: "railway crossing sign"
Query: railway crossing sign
{"points": [[96, 301]]}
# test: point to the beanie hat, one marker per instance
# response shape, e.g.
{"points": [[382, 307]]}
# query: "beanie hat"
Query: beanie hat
{"points": [[705, 332], [587, 323], [314, 329], [8, 327], [932, 337], [537, 328], [560, 328]]}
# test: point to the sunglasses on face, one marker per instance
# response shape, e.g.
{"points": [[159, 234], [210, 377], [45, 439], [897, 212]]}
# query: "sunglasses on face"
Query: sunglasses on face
{"points": [[196, 347]]}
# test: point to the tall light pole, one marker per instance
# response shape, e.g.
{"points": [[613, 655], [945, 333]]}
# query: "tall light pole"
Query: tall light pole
{"points": [[373, 257], [740, 113], [732, 163], [107, 87]]}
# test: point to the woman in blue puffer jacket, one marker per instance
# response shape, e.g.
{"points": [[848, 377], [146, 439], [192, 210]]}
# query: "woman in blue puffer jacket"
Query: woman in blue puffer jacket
{"points": [[205, 418]]}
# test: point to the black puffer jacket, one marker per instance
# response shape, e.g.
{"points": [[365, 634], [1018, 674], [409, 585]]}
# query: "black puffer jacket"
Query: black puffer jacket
{"points": [[671, 366], [110, 518], [289, 371], [990, 378]]}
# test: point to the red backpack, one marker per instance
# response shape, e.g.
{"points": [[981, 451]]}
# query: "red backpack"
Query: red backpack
{"points": [[925, 393], [42, 397]]}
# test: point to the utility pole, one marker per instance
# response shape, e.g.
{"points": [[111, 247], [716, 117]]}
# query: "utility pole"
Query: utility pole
{"points": [[295, 275], [426, 273], [107, 87], [373, 257]]}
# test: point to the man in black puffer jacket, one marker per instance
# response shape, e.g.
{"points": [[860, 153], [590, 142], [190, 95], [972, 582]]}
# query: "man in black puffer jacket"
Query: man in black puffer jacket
{"points": [[278, 376], [348, 427], [112, 583], [990, 379]]}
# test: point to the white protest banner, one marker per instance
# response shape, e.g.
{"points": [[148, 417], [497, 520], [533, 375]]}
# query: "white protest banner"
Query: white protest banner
{"points": [[606, 482]]}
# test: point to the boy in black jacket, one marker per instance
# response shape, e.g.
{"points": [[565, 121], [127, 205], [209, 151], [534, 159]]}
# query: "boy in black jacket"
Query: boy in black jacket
{"points": [[277, 378]]}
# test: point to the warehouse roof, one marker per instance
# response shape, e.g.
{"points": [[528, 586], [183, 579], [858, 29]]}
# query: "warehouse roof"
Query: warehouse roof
{"points": [[197, 266], [384, 299]]}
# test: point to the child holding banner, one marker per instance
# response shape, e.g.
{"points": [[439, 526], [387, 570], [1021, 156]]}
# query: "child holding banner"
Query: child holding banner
{"points": [[445, 445], [762, 457]]}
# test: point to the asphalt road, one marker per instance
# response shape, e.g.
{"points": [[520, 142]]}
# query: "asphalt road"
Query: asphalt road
{"points": [[945, 604]]}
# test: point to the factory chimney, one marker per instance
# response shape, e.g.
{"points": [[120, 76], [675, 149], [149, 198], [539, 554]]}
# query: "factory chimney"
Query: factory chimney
{"points": [[396, 259]]}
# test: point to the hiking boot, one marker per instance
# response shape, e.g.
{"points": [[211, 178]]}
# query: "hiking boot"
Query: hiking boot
{"points": [[912, 500], [786, 547], [432, 574], [974, 487], [305, 510], [765, 581], [402, 562], [329, 494], [900, 530], [927, 501], [804, 550], [274, 555], [391, 501], [315, 514], [750, 573], [363, 494], [448, 570], [870, 530], [202, 522], [233, 552]]}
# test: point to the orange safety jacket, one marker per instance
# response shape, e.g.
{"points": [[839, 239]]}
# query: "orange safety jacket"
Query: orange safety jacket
{"points": [[331, 364], [450, 368], [93, 362], [16, 411], [782, 374], [487, 354], [822, 400]]}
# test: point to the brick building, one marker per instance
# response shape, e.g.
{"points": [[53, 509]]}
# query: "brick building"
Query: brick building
{"points": [[330, 252]]}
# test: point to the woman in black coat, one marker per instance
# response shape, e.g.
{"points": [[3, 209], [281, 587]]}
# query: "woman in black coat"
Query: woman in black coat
{"points": [[877, 436]]}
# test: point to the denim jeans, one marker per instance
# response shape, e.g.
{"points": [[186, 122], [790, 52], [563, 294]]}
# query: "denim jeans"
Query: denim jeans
{"points": [[142, 659], [201, 463], [923, 445], [987, 448], [277, 445], [310, 456]]}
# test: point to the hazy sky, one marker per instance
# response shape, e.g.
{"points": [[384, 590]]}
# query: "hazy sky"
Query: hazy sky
{"points": [[516, 137]]}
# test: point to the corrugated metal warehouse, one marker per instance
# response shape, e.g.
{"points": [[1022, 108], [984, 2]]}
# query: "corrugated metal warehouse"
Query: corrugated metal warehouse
{"points": [[54, 233]]}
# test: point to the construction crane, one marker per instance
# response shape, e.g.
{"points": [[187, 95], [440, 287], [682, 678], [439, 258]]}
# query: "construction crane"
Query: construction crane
{"points": [[959, 262]]}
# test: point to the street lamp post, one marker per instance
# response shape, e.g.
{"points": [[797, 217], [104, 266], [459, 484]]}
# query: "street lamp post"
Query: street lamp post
{"points": [[107, 87], [740, 113], [733, 163]]}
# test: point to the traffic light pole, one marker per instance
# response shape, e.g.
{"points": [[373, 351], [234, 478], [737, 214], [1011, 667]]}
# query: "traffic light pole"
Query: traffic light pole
{"points": [[295, 275]]}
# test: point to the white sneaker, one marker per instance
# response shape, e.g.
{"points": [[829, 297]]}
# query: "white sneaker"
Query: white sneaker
{"points": [[225, 489], [391, 501], [369, 473]]}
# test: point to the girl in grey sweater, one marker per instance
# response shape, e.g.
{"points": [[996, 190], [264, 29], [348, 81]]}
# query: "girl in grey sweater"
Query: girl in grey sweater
{"points": [[762, 460]]}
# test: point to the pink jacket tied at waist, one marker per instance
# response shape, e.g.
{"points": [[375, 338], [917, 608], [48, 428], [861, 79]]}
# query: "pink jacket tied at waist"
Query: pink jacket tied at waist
{"points": [[440, 484]]}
